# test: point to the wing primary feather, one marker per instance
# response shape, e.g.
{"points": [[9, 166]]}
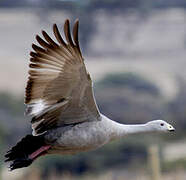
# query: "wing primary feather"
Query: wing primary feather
{"points": [[47, 57], [44, 61], [75, 36], [49, 40], [75, 33], [44, 66], [37, 48], [58, 36], [67, 33], [33, 54], [43, 43]]}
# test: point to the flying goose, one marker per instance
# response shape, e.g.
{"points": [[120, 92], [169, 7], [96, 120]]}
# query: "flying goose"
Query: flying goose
{"points": [[60, 99]]}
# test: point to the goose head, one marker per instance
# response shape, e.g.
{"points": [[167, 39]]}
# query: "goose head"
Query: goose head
{"points": [[160, 126]]}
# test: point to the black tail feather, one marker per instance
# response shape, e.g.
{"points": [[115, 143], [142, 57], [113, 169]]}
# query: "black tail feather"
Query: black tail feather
{"points": [[19, 154], [20, 163]]}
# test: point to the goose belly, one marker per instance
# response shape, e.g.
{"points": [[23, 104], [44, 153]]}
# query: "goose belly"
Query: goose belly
{"points": [[82, 137]]}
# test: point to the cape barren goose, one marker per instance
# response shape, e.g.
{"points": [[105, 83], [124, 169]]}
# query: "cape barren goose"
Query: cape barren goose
{"points": [[59, 97]]}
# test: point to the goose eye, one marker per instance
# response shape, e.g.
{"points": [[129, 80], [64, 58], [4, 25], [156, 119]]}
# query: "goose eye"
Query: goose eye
{"points": [[162, 124]]}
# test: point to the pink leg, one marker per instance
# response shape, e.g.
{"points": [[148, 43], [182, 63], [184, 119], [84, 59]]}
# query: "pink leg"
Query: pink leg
{"points": [[39, 152]]}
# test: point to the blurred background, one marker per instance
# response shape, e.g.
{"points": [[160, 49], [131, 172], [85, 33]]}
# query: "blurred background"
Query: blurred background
{"points": [[135, 53]]}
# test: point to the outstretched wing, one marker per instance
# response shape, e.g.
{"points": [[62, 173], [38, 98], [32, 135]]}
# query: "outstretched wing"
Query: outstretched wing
{"points": [[59, 89]]}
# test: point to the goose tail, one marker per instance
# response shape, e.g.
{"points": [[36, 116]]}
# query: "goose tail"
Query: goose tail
{"points": [[26, 151]]}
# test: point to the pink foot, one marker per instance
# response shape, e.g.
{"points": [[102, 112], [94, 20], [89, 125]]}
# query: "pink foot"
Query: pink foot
{"points": [[39, 152]]}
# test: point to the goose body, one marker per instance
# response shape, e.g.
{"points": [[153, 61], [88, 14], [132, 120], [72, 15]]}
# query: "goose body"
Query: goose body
{"points": [[81, 137], [60, 100]]}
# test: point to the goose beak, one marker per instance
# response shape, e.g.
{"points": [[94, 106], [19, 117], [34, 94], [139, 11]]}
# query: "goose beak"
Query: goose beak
{"points": [[170, 128]]}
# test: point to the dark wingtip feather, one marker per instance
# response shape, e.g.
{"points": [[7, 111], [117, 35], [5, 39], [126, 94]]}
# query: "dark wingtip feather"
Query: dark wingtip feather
{"points": [[42, 42], [67, 32], [58, 36], [75, 34], [37, 48], [48, 39]]}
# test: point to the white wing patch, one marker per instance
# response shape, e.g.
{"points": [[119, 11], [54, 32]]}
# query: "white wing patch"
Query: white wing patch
{"points": [[36, 108], [34, 125]]}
